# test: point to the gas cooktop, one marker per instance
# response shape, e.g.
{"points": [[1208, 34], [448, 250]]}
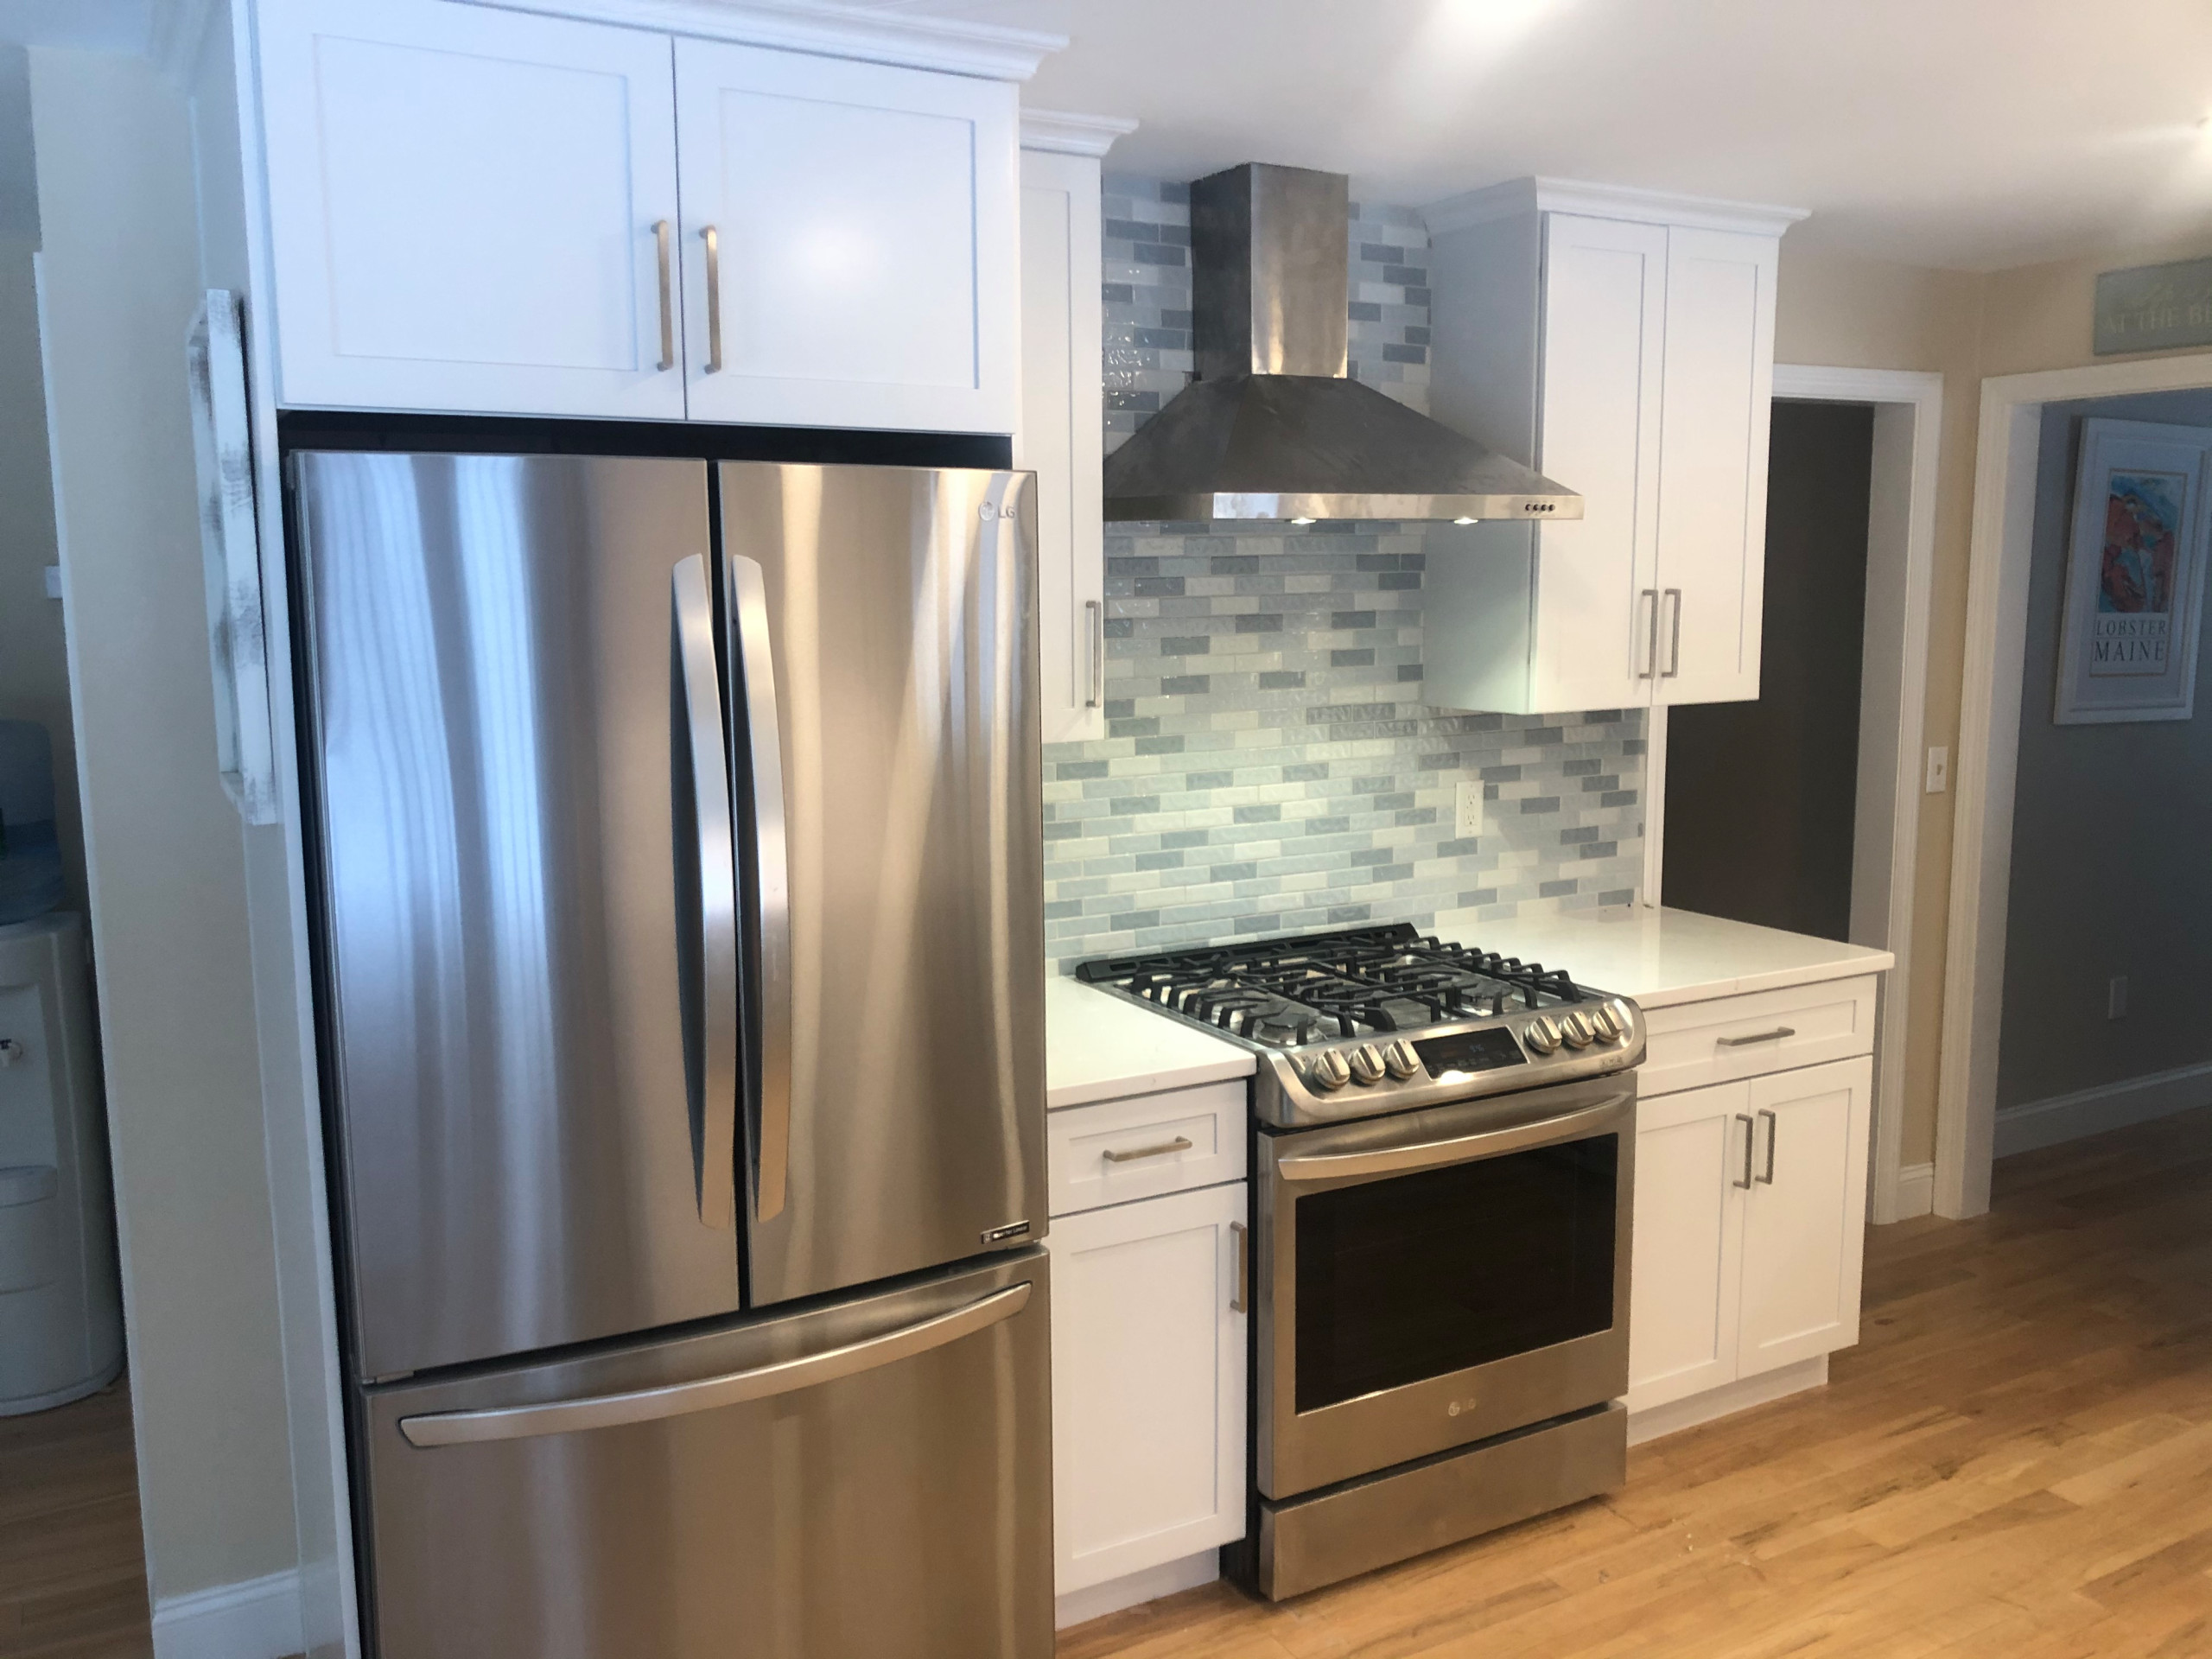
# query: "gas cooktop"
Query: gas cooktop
{"points": [[1383, 1018]]}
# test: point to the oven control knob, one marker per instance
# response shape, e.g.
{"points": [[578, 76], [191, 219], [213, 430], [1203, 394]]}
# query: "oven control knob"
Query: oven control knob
{"points": [[1366, 1064], [1604, 1022], [1329, 1071], [1577, 1030], [1542, 1034], [1400, 1060]]}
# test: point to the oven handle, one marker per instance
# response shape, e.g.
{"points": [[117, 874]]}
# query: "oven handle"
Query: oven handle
{"points": [[1460, 1149]]}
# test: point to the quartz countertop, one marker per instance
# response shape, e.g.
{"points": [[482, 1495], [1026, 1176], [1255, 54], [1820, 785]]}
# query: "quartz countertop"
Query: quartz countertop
{"points": [[1661, 958], [1100, 1047]]}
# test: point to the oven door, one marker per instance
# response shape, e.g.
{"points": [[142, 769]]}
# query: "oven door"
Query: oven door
{"points": [[1440, 1277]]}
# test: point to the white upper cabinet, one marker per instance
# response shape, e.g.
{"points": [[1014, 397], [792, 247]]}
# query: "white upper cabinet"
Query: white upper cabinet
{"points": [[1062, 435], [462, 204], [863, 225], [1623, 343], [481, 210]]}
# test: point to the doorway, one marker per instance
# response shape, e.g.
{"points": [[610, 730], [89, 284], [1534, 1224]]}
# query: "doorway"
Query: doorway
{"points": [[1762, 797]]}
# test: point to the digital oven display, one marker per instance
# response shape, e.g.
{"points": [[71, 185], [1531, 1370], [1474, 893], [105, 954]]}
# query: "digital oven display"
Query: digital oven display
{"points": [[1449, 1057]]}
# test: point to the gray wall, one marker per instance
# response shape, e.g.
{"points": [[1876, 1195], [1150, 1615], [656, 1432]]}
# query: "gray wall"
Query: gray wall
{"points": [[164, 848], [1269, 764], [2109, 867]]}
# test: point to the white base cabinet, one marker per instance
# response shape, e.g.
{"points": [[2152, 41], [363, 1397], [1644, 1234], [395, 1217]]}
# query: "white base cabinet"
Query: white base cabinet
{"points": [[1750, 1212], [1150, 1275], [1148, 1383]]}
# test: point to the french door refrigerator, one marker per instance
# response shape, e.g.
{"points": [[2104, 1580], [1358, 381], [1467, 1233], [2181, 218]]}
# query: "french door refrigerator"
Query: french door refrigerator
{"points": [[677, 911]]}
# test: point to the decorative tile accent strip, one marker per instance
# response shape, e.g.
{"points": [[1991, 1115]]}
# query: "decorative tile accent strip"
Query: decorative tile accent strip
{"points": [[1268, 765]]}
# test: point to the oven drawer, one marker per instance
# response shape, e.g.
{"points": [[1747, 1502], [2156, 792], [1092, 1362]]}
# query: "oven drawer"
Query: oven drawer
{"points": [[1693, 1044], [1140, 1148]]}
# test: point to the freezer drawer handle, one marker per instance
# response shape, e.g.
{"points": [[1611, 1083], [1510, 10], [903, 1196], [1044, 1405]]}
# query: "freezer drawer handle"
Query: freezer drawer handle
{"points": [[711, 954], [712, 1393], [756, 677], [1460, 1149]]}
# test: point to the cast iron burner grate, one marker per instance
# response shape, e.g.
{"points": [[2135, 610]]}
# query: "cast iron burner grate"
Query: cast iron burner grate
{"points": [[1320, 986]]}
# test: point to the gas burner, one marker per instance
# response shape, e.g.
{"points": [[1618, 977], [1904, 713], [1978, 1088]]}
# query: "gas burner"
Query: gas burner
{"points": [[1369, 982]]}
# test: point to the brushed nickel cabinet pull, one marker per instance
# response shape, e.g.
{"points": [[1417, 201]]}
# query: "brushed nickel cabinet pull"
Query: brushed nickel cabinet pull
{"points": [[714, 300], [1095, 609], [1241, 1299], [1652, 643], [1773, 1128], [1749, 1135], [1773, 1036], [667, 297], [1180, 1143], [1674, 650]]}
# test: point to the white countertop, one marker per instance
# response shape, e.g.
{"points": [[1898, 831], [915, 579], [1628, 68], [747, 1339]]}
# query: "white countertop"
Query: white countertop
{"points": [[1661, 958], [1100, 1047]]}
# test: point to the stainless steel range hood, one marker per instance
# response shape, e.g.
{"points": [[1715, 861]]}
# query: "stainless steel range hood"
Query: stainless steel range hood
{"points": [[1272, 428]]}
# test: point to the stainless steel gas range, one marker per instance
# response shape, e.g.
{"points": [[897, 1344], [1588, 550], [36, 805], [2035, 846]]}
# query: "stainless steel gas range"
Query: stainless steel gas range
{"points": [[1443, 1186]]}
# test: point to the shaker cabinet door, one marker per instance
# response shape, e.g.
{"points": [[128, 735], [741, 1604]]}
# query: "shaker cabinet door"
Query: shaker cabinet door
{"points": [[1805, 1216], [463, 205], [1720, 382], [1684, 1280], [1148, 1383], [1061, 437], [1604, 313], [850, 246]]}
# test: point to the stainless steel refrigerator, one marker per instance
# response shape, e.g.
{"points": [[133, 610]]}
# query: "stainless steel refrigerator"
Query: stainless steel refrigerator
{"points": [[679, 971]]}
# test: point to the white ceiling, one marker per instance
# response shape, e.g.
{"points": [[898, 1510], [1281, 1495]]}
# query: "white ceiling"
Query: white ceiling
{"points": [[1973, 133]]}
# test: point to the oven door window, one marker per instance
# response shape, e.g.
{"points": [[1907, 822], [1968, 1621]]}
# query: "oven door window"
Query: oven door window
{"points": [[1420, 1275]]}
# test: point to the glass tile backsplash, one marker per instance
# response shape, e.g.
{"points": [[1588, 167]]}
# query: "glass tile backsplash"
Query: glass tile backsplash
{"points": [[1268, 765]]}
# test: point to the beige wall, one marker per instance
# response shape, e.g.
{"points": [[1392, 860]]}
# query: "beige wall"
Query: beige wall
{"points": [[166, 858], [1839, 310]]}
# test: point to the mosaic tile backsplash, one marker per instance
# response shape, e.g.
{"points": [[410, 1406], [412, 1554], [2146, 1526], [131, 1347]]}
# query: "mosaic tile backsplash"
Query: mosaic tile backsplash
{"points": [[1268, 765]]}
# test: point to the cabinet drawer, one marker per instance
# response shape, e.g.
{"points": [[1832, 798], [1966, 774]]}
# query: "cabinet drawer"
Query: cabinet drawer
{"points": [[1090, 1148], [1732, 1037]]}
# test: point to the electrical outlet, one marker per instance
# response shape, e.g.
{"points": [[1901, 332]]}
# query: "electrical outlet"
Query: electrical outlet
{"points": [[2116, 998], [1467, 813], [1939, 771]]}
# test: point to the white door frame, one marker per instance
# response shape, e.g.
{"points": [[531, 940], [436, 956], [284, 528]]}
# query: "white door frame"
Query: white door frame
{"points": [[1989, 747], [1900, 563]]}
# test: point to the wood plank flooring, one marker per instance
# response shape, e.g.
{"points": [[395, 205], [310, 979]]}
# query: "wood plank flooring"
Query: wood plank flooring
{"points": [[73, 1572], [2015, 1461]]}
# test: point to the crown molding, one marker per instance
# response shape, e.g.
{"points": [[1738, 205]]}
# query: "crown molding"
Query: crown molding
{"points": [[1072, 134], [983, 50], [1518, 196]]}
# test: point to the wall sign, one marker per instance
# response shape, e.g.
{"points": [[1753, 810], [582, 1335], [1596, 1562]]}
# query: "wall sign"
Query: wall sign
{"points": [[2153, 307], [2134, 574]]}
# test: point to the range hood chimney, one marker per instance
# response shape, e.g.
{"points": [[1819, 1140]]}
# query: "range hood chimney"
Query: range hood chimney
{"points": [[1273, 428]]}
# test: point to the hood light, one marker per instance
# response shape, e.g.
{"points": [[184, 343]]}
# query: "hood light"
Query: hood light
{"points": [[1301, 521], [1463, 521]]}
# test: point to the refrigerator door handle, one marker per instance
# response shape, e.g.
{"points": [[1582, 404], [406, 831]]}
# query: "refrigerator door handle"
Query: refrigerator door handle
{"points": [[714, 1111], [756, 667], [712, 1393]]}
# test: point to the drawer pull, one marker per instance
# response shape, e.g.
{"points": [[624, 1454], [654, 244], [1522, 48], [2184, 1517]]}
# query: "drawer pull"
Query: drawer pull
{"points": [[1775, 1035], [1180, 1143]]}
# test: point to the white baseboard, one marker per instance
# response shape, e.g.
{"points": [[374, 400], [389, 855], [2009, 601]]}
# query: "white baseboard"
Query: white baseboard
{"points": [[1081, 1606], [258, 1619], [1916, 1191], [1726, 1400], [2094, 1111]]}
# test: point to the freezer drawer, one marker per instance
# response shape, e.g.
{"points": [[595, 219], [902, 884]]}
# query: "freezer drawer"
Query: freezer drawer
{"points": [[869, 1479]]}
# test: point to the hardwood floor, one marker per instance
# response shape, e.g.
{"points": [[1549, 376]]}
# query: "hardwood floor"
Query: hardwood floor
{"points": [[2015, 1461], [72, 1574]]}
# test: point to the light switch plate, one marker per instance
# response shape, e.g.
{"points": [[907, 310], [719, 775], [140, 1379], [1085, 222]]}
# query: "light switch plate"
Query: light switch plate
{"points": [[1467, 813], [1939, 770], [54, 582], [2116, 998]]}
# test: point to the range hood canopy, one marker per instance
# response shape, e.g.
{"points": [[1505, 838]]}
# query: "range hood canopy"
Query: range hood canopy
{"points": [[1273, 428]]}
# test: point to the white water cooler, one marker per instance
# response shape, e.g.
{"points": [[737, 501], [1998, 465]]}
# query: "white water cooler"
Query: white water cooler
{"points": [[61, 1302]]}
